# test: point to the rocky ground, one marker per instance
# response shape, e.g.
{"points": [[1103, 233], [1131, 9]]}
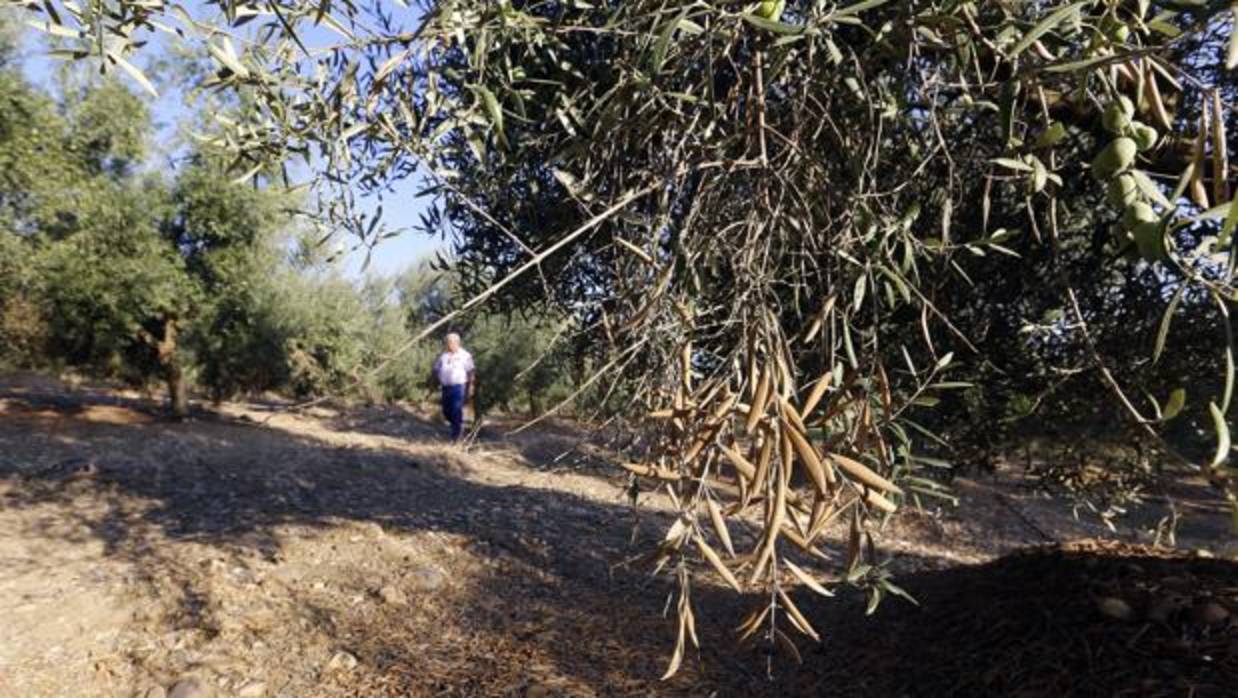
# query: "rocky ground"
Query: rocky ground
{"points": [[353, 553]]}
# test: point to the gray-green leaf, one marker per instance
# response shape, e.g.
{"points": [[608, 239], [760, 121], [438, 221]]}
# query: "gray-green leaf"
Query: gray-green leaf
{"points": [[1222, 431], [1175, 403], [1045, 26]]}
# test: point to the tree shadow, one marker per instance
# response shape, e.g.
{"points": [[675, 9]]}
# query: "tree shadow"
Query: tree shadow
{"points": [[86, 403], [1077, 620], [244, 491], [553, 445], [539, 603], [401, 421], [561, 446]]}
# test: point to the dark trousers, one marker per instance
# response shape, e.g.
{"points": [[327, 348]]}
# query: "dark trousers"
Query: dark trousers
{"points": [[453, 409]]}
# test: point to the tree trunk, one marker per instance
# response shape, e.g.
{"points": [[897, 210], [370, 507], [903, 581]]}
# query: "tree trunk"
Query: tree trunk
{"points": [[178, 390], [535, 405]]}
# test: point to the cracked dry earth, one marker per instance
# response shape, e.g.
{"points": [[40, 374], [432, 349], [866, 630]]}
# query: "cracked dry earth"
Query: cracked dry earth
{"points": [[353, 553]]}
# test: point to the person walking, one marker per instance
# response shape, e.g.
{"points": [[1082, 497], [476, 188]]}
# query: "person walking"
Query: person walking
{"points": [[454, 371]]}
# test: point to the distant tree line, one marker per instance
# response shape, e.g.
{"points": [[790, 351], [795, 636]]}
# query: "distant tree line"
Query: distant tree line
{"points": [[114, 266]]}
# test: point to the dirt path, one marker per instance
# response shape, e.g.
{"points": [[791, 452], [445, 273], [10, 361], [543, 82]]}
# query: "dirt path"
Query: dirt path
{"points": [[356, 554]]}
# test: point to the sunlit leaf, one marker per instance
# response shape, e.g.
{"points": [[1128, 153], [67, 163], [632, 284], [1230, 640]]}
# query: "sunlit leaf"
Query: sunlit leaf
{"points": [[1231, 51], [1046, 25], [1162, 332], [224, 54], [1221, 428], [1175, 403], [492, 107], [134, 73], [856, 8], [771, 25]]}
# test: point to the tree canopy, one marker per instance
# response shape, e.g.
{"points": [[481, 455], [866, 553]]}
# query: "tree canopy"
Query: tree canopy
{"points": [[187, 276]]}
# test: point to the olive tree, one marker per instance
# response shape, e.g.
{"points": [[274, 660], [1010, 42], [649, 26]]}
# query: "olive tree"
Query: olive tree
{"points": [[760, 215]]}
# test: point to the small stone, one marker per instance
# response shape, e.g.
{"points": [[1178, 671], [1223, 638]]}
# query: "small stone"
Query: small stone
{"points": [[84, 471], [342, 660], [253, 689], [428, 578], [538, 690], [392, 595], [155, 692], [1116, 609], [1211, 613], [260, 620], [189, 688]]}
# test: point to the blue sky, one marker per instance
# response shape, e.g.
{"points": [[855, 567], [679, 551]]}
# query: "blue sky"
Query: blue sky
{"points": [[400, 207]]}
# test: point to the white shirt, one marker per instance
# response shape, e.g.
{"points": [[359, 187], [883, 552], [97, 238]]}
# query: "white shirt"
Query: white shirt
{"points": [[453, 368]]}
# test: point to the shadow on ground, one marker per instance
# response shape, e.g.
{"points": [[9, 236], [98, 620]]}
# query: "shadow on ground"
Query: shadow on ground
{"points": [[549, 445], [544, 606]]}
